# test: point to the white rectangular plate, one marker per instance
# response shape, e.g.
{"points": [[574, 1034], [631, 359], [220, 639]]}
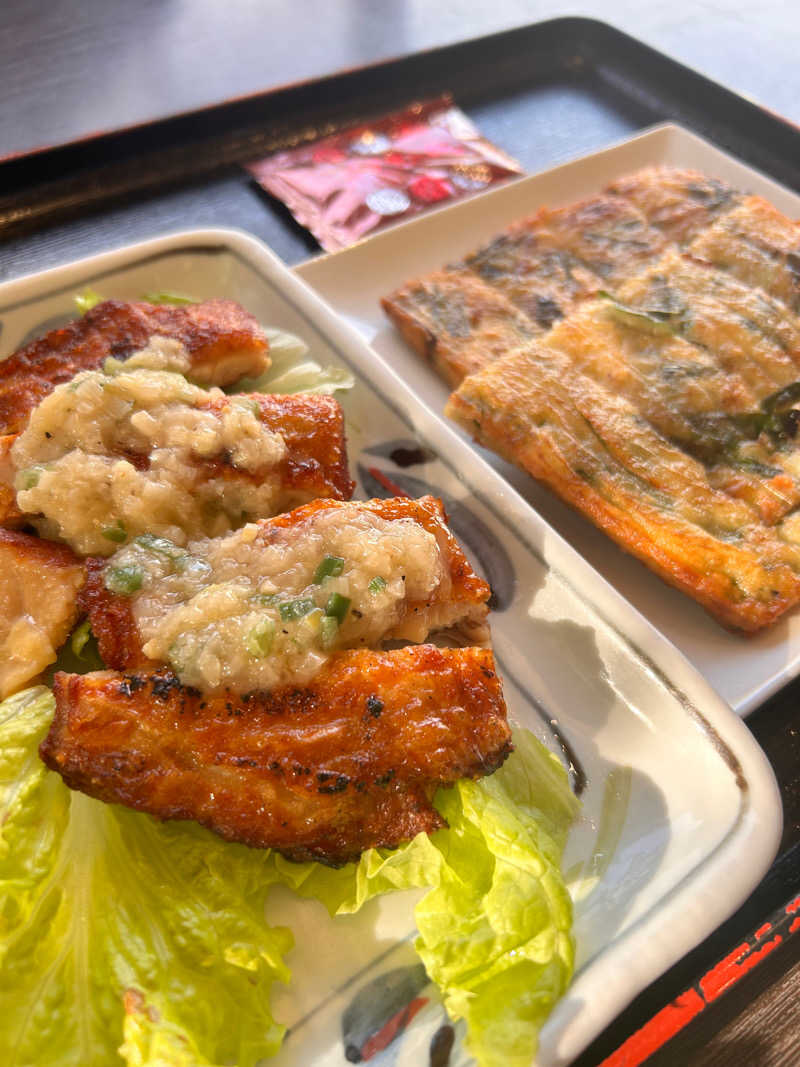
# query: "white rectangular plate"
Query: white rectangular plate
{"points": [[744, 670], [681, 814]]}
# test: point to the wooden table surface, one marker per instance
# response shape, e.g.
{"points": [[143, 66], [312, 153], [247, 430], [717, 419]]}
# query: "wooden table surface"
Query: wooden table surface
{"points": [[70, 70]]}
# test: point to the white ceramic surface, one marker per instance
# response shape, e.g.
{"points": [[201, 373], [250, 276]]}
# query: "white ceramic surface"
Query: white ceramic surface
{"points": [[743, 670], [677, 793]]}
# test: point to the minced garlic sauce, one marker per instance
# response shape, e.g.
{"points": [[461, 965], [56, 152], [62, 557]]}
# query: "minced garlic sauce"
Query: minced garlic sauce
{"points": [[265, 606], [73, 460]]}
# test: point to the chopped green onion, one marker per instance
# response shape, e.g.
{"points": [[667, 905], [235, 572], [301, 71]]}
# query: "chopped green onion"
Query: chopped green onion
{"points": [[653, 321], [296, 609], [377, 585], [80, 637], [259, 639], [116, 533], [164, 296], [162, 546], [123, 580], [337, 606], [29, 478], [87, 299], [328, 629], [177, 556], [330, 567]]}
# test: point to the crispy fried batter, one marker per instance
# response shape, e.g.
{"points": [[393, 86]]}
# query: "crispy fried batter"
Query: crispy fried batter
{"points": [[545, 264], [464, 607], [39, 585], [678, 202], [666, 411], [348, 763], [457, 322], [223, 340], [758, 245], [516, 287], [111, 620], [599, 454]]}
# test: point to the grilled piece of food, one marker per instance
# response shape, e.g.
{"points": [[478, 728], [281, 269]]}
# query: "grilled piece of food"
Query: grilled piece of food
{"points": [[517, 286], [664, 399], [600, 456], [678, 202], [106, 457], [757, 244], [347, 763], [221, 341], [673, 400], [268, 605], [694, 401], [457, 322], [545, 264], [39, 585], [538, 270]]}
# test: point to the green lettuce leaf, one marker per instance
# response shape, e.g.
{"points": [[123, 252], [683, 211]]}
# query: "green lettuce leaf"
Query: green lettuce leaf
{"points": [[103, 908], [168, 296], [152, 1041], [121, 933], [87, 299], [293, 371], [494, 930]]}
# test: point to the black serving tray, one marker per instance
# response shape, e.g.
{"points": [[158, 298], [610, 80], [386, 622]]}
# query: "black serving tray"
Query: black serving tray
{"points": [[545, 93]]}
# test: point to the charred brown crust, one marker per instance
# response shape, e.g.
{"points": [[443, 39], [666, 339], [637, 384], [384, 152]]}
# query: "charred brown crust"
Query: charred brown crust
{"points": [[312, 427], [218, 335], [312, 771], [111, 620]]}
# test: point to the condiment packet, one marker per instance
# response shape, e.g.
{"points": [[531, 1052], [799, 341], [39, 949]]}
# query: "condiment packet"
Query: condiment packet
{"points": [[361, 179]]}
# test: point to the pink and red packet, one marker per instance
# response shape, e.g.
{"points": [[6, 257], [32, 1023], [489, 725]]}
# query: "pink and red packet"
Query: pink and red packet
{"points": [[357, 181]]}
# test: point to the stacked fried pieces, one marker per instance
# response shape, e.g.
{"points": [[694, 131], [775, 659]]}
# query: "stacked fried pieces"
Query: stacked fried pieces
{"points": [[343, 739]]}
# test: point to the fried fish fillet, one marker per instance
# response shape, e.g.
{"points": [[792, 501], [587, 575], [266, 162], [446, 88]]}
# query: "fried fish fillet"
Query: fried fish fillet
{"points": [[350, 762], [680, 203], [39, 586], [224, 342], [313, 464], [460, 602]]}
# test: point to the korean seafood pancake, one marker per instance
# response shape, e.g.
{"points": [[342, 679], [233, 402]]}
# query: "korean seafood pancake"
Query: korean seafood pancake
{"points": [[662, 400]]}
